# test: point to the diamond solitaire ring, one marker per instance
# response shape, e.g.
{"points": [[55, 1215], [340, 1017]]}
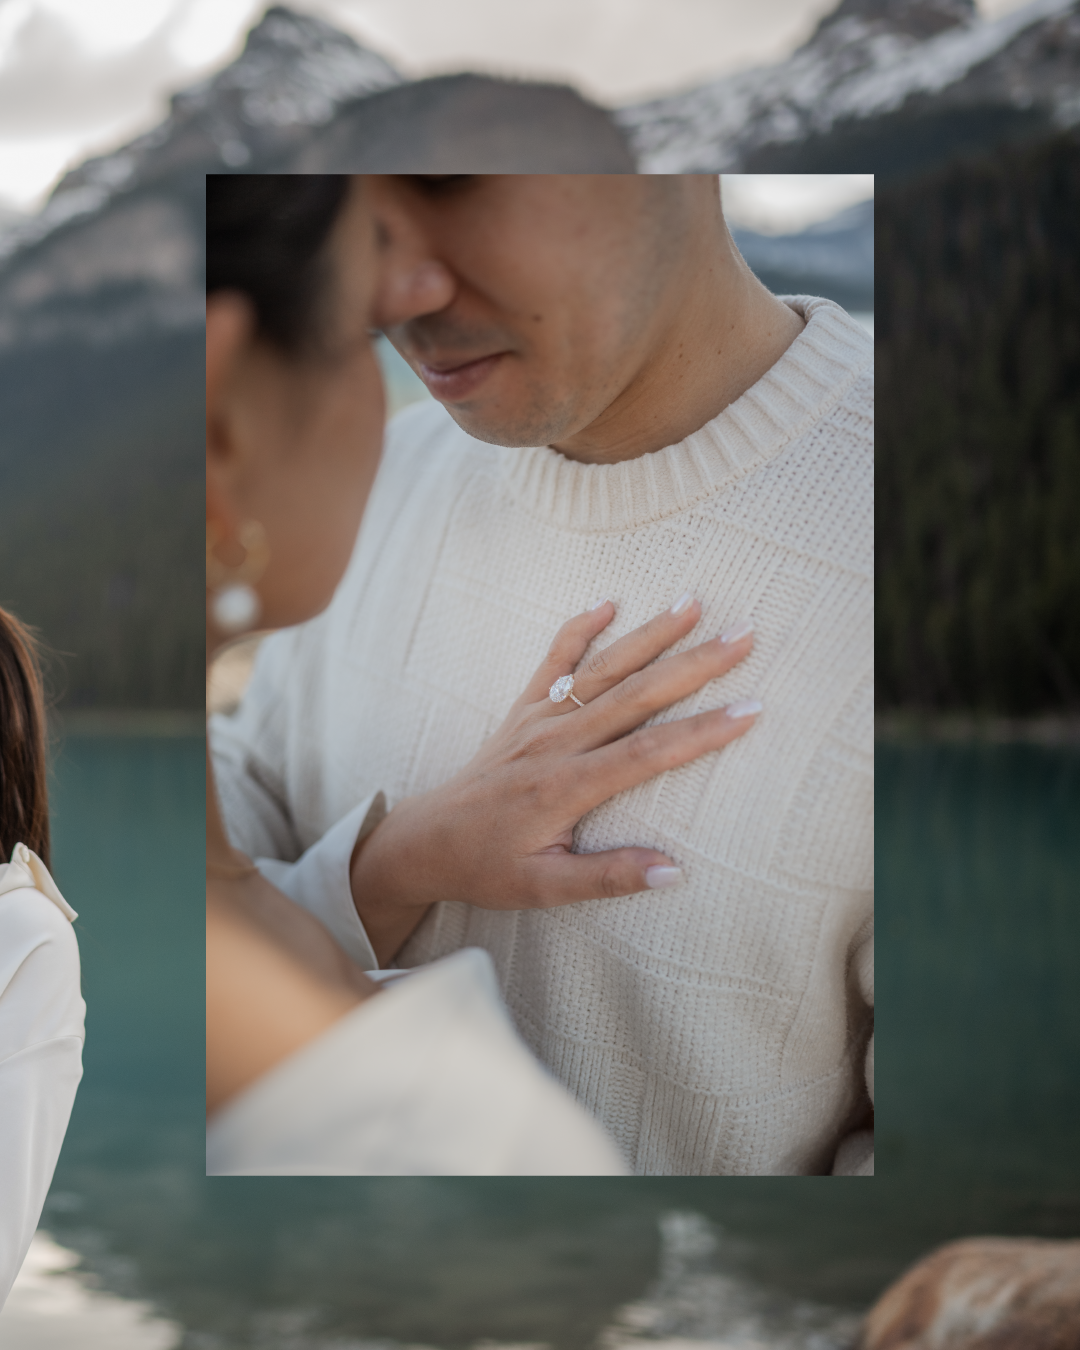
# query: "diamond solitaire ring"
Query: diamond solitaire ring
{"points": [[564, 688]]}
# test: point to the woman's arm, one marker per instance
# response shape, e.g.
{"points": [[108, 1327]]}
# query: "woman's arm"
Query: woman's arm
{"points": [[500, 833], [275, 980]]}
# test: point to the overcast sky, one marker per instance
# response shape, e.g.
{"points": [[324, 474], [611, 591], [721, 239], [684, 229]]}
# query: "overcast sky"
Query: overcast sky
{"points": [[81, 76]]}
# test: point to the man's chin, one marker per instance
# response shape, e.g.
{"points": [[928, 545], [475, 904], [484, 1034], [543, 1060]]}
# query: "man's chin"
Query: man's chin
{"points": [[500, 426], [494, 432]]}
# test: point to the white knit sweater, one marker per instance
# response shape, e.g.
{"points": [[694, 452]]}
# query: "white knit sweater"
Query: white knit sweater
{"points": [[718, 1028]]}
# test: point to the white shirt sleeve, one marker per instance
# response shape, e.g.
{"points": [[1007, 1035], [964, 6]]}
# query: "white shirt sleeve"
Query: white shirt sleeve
{"points": [[426, 1078], [41, 1039], [319, 879], [248, 751]]}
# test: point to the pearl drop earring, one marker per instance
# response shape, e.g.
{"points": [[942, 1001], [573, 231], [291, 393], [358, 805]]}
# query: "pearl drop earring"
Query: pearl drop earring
{"points": [[235, 608], [233, 601]]}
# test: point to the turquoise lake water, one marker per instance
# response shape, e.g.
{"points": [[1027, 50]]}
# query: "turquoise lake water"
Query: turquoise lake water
{"points": [[977, 1046]]}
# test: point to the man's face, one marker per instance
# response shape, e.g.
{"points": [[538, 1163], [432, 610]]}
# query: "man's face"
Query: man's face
{"points": [[530, 304]]}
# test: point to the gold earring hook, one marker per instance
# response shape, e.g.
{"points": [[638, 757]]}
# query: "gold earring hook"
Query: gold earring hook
{"points": [[252, 539]]}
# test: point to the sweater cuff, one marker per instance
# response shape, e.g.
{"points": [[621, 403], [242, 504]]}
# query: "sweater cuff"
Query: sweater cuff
{"points": [[319, 879]]}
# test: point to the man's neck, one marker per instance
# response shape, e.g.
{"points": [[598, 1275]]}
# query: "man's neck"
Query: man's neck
{"points": [[727, 331]]}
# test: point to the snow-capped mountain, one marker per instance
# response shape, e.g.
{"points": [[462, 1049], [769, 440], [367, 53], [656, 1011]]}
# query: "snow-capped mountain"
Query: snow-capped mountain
{"points": [[295, 71], [851, 96], [118, 248]]}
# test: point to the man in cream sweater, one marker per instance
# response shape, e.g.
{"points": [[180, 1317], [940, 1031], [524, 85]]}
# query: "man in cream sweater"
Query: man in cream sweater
{"points": [[624, 411]]}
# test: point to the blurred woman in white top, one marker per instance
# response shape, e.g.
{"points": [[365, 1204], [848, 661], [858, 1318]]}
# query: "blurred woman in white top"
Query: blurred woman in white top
{"points": [[41, 1007]]}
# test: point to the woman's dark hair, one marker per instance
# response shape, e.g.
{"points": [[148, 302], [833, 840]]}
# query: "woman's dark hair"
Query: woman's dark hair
{"points": [[24, 798], [265, 235]]}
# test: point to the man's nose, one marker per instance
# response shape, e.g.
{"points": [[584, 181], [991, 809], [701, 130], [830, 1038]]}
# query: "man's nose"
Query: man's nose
{"points": [[410, 284], [413, 280]]}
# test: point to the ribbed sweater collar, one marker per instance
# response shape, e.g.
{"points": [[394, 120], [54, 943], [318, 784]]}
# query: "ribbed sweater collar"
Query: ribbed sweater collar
{"points": [[812, 375]]}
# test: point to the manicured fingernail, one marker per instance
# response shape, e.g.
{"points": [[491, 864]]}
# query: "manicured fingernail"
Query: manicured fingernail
{"points": [[746, 707], [598, 604], [683, 603], [658, 877], [737, 631]]}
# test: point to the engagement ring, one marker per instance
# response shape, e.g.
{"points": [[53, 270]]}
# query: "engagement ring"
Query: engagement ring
{"points": [[564, 688]]}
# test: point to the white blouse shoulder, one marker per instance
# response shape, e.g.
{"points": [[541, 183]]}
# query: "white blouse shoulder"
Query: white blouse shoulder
{"points": [[428, 1077], [41, 1039]]}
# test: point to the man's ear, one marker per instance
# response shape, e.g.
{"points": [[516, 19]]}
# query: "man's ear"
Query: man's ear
{"points": [[230, 329]]}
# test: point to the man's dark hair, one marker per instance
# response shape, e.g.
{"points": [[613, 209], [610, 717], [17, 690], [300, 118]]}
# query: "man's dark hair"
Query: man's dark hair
{"points": [[24, 799], [265, 237]]}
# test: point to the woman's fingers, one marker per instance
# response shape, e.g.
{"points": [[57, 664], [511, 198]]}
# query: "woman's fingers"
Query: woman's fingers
{"points": [[646, 692], [624, 763], [560, 878], [610, 666], [567, 649]]}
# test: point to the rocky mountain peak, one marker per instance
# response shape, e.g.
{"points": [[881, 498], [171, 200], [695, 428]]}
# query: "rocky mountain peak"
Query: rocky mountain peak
{"points": [[888, 84], [294, 69], [293, 74]]}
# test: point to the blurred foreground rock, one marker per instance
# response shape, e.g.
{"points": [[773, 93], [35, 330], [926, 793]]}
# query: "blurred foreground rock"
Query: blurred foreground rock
{"points": [[983, 1294]]}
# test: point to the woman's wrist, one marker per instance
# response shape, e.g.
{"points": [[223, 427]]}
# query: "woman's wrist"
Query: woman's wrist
{"points": [[385, 879]]}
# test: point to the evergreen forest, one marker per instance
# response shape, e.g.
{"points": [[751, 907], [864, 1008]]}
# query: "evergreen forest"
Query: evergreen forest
{"points": [[978, 434]]}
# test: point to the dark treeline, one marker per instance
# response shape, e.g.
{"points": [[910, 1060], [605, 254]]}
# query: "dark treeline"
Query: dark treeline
{"points": [[978, 435], [101, 488]]}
